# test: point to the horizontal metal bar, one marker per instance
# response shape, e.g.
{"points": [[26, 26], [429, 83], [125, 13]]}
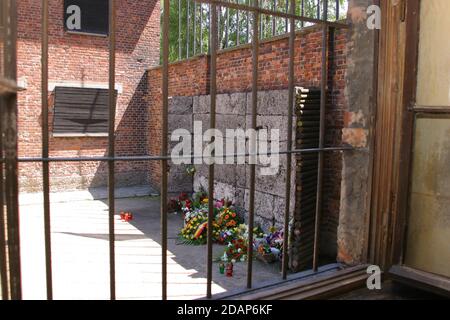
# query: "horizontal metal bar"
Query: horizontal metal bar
{"points": [[157, 158], [274, 13]]}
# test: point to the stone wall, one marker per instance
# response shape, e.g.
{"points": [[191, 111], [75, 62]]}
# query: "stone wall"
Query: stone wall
{"points": [[233, 181], [190, 78]]}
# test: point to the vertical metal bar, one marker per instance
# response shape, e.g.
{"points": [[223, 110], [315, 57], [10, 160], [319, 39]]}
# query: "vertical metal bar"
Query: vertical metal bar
{"points": [[303, 13], [247, 20], [188, 22], [286, 23], [323, 102], [209, 29], [338, 5], [3, 266], [164, 147], [179, 30], [3, 269], [195, 27], [289, 142], [227, 26], [274, 21], [261, 22], [219, 34], [111, 145], [201, 28], [251, 213], [318, 9], [213, 90], [238, 27], [10, 148], [45, 150]]}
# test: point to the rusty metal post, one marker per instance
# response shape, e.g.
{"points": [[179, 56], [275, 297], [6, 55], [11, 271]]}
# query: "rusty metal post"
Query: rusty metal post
{"points": [[227, 26], [179, 30], [337, 10], [323, 104], [303, 13], [45, 150], [274, 21], [285, 261], [194, 19], [188, 22], [247, 21], [238, 27], [3, 268], [9, 119], [111, 145], [251, 213], [164, 147], [201, 28], [213, 91]]}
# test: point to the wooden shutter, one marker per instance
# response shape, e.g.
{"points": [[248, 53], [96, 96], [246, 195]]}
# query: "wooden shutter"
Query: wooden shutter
{"points": [[80, 111], [308, 130]]}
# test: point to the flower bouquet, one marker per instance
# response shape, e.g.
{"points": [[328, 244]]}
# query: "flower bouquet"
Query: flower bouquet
{"points": [[236, 250], [269, 249], [227, 218], [265, 253]]}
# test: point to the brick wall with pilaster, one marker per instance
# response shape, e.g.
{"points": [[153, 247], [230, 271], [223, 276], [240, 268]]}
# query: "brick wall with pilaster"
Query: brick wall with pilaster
{"points": [[82, 60]]}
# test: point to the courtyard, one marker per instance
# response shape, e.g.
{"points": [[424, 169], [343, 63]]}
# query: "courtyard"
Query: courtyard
{"points": [[81, 261]]}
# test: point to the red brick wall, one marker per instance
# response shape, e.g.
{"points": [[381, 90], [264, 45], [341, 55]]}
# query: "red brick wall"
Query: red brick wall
{"points": [[234, 74], [83, 58]]}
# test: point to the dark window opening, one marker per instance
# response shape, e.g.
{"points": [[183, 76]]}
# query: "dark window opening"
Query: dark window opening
{"points": [[80, 111], [86, 16]]}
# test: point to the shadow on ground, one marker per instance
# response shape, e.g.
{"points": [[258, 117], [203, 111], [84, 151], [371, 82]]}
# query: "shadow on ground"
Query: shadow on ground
{"points": [[146, 212]]}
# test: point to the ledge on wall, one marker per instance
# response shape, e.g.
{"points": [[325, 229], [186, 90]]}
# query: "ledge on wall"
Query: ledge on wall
{"points": [[80, 135]]}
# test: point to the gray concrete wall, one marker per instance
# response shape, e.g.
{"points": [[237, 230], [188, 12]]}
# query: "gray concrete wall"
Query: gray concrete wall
{"points": [[180, 116], [232, 180]]}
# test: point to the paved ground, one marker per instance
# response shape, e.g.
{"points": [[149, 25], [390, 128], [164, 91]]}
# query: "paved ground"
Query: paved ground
{"points": [[81, 260]]}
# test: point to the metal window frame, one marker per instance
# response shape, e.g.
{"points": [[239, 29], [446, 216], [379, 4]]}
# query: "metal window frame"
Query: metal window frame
{"points": [[10, 159]]}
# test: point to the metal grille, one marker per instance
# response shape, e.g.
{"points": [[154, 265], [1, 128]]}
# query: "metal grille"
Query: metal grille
{"points": [[193, 21], [10, 274]]}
